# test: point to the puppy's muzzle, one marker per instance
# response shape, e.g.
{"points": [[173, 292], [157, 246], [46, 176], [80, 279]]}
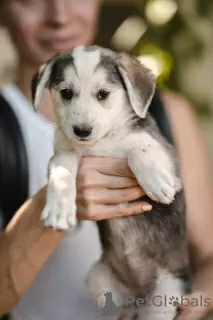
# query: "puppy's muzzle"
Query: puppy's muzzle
{"points": [[82, 132]]}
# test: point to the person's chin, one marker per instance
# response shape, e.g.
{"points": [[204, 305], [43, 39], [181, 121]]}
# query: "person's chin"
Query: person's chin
{"points": [[61, 45], [43, 56]]}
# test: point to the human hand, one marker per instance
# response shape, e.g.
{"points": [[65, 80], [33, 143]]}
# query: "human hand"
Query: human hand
{"points": [[198, 305], [104, 187]]}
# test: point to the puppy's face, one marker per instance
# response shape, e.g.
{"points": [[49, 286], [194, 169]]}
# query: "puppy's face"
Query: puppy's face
{"points": [[93, 88], [87, 94]]}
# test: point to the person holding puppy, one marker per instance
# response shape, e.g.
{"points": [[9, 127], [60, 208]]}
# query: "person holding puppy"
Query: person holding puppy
{"points": [[42, 271]]}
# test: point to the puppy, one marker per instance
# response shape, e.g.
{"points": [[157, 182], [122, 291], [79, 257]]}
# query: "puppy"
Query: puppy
{"points": [[101, 100]]}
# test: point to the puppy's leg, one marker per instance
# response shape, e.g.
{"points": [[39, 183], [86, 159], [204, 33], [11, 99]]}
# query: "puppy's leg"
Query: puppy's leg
{"points": [[60, 209], [101, 280], [162, 303], [154, 170]]}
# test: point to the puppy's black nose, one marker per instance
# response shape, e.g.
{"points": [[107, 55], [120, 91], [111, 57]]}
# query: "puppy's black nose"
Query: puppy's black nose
{"points": [[82, 132]]}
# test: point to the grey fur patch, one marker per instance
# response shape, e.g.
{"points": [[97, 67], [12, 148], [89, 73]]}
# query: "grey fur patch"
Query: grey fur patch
{"points": [[108, 63], [161, 240], [60, 65], [139, 76]]}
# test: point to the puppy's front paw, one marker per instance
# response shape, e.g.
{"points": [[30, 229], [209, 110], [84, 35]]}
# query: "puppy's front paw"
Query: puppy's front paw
{"points": [[159, 185], [155, 172], [59, 213]]}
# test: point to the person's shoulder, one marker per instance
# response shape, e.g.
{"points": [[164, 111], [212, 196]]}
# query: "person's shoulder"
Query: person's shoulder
{"points": [[178, 106], [176, 102], [184, 122], [179, 110]]}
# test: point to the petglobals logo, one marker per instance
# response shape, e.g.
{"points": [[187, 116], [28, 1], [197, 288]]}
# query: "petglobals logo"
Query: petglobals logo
{"points": [[163, 301], [106, 306]]}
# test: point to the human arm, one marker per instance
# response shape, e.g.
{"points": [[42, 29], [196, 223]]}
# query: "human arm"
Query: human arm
{"points": [[26, 244], [24, 247], [198, 184]]}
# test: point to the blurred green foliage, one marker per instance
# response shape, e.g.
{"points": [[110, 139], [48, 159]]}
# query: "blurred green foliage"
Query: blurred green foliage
{"points": [[159, 41]]}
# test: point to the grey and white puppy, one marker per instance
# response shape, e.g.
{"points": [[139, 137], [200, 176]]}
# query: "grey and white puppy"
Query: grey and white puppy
{"points": [[101, 101]]}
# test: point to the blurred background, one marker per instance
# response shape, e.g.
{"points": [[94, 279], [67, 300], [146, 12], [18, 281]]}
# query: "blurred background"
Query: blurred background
{"points": [[173, 37]]}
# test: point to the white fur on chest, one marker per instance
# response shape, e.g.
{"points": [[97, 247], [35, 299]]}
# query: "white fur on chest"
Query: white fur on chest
{"points": [[115, 146]]}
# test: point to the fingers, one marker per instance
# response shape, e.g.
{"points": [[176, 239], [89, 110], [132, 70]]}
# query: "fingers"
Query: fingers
{"points": [[92, 178], [108, 196], [105, 187], [101, 212], [108, 166], [192, 314], [194, 307], [118, 168]]}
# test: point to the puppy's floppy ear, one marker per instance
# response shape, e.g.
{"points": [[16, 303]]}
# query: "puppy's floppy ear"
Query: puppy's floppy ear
{"points": [[40, 82], [139, 82]]}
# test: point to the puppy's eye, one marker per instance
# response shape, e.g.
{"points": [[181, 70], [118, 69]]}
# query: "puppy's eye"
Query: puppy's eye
{"points": [[66, 94], [102, 95]]}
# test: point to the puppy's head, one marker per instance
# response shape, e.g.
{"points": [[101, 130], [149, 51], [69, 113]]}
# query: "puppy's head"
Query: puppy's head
{"points": [[93, 88]]}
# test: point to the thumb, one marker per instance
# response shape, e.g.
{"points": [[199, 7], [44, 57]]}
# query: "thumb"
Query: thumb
{"points": [[194, 306]]}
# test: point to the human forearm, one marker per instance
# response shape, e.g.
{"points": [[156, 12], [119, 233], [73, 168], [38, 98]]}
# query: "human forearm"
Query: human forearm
{"points": [[197, 177], [25, 245], [203, 277]]}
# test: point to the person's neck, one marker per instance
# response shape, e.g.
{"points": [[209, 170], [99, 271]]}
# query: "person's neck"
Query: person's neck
{"points": [[23, 80]]}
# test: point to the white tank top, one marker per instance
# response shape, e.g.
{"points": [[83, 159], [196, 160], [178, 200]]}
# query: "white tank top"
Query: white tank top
{"points": [[59, 291]]}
